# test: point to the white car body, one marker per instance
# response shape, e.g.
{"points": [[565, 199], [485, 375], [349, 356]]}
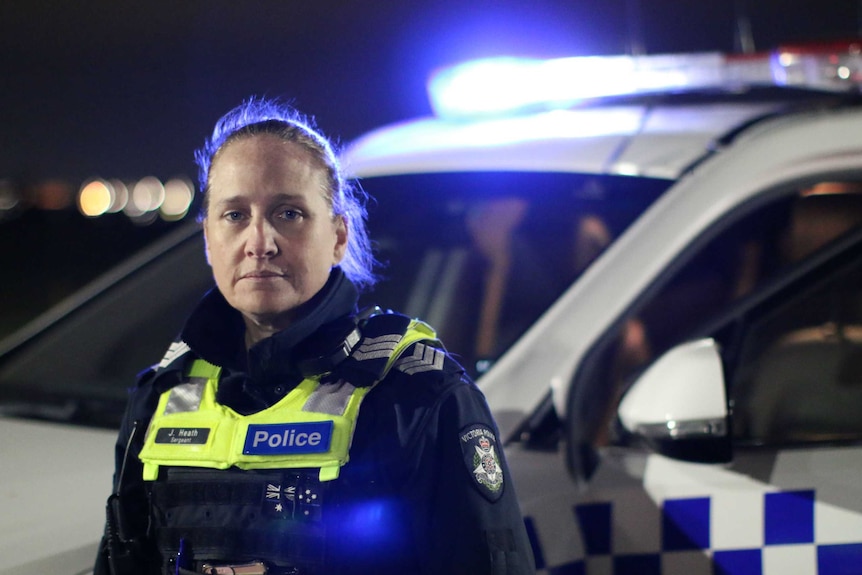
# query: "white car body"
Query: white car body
{"points": [[49, 524], [767, 509]]}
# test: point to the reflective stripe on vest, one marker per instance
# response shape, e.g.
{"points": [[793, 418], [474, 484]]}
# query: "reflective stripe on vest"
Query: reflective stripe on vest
{"points": [[311, 427]]}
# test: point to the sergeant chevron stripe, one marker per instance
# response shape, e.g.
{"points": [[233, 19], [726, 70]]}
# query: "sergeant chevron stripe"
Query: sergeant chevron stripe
{"points": [[376, 347], [176, 349], [424, 358]]}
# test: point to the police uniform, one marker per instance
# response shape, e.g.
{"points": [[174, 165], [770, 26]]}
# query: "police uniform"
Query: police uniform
{"points": [[230, 457]]}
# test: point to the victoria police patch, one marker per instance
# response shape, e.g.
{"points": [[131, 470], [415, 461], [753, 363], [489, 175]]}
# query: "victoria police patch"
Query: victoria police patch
{"points": [[480, 451]]}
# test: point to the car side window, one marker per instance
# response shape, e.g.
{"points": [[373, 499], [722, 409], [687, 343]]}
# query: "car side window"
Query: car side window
{"points": [[799, 376], [742, 258]]}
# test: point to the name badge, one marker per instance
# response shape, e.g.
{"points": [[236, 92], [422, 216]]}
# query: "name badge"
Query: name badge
{"points": [[183, 435], [288, 438]]}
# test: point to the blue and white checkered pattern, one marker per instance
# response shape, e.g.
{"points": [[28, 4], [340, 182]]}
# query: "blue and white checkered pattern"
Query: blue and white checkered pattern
{"points": [[695, 536]]}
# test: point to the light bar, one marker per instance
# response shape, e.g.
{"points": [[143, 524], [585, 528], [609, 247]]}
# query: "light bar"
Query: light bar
{"points": [[831, 67], [505, 85], [500, 85]]}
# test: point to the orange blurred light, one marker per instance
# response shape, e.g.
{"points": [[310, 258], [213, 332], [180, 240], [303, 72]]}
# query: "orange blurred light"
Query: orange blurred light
{"points": [[831, 188], [95, 198], [52, 195]]}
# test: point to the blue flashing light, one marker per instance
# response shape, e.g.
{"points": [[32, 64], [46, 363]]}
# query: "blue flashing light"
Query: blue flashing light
{"points": [[500, 85], [505, 85]]}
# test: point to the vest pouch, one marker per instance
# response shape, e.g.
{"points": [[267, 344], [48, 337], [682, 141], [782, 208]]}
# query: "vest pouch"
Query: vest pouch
{"points": [[236, 517]]}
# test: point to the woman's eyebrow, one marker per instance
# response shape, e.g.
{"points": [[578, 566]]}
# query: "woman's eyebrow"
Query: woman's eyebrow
{"points": [[242, 199]]}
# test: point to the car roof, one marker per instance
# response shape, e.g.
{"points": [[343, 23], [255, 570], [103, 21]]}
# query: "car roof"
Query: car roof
{"points": [[655, 137]]}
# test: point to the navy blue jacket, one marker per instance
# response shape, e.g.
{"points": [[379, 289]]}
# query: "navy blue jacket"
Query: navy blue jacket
{"points": [[427, 489]]}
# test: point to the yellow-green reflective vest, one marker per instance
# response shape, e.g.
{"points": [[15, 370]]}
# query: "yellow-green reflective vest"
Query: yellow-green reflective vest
{"points": [[310, 427]]}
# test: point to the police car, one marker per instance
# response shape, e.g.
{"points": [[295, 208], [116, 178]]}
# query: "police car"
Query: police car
{"points": [[651, 265]]}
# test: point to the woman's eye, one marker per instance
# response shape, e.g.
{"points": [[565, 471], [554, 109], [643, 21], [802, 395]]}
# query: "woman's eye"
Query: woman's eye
{"points": [[290, 215], [233, 216]]}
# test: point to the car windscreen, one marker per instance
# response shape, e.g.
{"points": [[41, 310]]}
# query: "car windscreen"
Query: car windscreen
{"points": [[480, 256]]}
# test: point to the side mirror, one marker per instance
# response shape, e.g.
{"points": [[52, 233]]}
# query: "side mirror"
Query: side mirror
{"points": [[679, 405]]}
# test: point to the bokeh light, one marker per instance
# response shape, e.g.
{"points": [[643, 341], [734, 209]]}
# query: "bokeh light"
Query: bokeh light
{"points": [[121, 196], [147, 195], [52, 195], [95, 198], [143, 201], [8, 195], [177, 200]]}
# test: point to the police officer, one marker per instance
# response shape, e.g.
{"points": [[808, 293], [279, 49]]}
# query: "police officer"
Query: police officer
{"points": [[285, 432]]}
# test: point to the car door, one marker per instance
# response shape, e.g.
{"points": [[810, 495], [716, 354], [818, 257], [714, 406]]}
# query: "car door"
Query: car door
{"points": [[789, 362], [775, 285]]}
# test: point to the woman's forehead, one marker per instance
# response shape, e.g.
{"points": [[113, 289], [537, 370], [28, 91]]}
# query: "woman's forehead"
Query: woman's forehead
{"points": [[267, 149]]}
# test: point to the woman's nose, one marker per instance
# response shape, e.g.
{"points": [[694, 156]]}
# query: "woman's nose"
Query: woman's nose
{"points": [[261, 240]]}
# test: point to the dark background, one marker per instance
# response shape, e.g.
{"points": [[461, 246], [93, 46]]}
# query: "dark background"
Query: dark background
{"points": [[121, 89], [124, 89]]}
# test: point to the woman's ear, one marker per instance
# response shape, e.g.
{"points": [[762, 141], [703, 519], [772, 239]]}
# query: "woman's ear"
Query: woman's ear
{"points": [[341, 234], [206, 243]]}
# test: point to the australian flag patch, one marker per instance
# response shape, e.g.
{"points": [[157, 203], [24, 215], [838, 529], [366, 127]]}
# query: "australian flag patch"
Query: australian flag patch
{"points": [[480, 451]]}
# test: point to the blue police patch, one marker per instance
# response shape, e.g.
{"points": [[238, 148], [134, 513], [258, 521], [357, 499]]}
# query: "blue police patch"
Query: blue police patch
{"points": [[288, 438], [480, 451]]}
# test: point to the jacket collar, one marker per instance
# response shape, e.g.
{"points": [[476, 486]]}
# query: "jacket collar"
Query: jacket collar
{"points": [[215, 331]]}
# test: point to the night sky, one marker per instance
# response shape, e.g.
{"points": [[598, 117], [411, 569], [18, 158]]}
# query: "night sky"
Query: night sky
{"points": [[123, 89]]}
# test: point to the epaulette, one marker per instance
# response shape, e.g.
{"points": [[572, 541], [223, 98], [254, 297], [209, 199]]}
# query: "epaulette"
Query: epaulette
{"points": [[366, 362], [174, 356], [170, 370]]}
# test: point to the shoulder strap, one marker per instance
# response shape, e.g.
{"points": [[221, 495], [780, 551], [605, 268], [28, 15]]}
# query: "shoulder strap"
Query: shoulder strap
{"points": [[384, 338]]}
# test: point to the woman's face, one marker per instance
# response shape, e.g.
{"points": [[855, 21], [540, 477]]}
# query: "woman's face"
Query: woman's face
{"points": [[270, 235]]}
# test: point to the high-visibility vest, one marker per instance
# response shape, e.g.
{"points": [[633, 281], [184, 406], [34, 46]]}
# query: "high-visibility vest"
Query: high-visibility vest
{"points": [[311, 427]]}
